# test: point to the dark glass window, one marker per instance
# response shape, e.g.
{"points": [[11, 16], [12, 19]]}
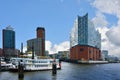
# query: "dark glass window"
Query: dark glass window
{"points": [[81, 49], [89, 51]]}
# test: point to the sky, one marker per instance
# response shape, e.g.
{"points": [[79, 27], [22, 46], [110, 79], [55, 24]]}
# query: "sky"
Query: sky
{"points": [[58, 17]]}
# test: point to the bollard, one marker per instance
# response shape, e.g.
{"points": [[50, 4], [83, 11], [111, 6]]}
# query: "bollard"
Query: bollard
{"points": [[20, 70], [54, 68]]}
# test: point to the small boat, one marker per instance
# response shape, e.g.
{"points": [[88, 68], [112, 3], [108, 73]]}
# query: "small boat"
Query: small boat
{"points": [[34, 64], [5, 66]]}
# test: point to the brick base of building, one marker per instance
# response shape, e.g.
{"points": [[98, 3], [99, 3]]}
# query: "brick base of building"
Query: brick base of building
{"points": [[85, 53]]}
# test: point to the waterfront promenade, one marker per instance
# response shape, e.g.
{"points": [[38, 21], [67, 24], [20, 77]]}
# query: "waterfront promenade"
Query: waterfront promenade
{"points": [[71, 71]]}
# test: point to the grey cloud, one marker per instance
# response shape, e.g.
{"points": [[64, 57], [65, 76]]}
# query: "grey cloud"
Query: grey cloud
{"points": [[114, 36]]}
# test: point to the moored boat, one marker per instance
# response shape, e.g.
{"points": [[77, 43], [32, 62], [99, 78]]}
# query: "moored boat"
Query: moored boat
{"points": [[5, 65], [34, 64]]}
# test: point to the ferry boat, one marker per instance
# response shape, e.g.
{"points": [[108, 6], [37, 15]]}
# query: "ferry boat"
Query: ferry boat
{"points": [[34, 64]]}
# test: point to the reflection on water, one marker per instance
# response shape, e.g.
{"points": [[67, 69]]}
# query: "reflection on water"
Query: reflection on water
{"points": [[54, 77], [71, 71], [21, 79]]}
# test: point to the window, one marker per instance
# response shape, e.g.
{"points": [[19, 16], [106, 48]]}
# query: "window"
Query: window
{"points": [[89, 51], [81, 49]]}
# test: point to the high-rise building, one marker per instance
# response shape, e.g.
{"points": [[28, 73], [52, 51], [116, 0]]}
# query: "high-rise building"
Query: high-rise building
{"points": [[85, 40], [8, 41], [38, 44], [41, 35]]}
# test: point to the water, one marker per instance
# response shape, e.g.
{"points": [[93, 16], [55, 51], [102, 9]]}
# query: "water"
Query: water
{"points": [[71, 71]]}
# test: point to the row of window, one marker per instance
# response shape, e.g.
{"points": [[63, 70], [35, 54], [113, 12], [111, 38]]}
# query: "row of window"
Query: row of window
{"points": [[38, 65], [38, 61], [81, 50], [41, 65]]}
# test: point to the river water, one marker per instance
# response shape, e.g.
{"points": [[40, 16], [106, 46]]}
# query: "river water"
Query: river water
{"points": [[71, 71]]}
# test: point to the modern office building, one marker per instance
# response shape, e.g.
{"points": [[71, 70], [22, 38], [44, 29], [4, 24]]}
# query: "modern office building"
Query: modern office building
{"points": [[38, 44], [41, 35], [8, 42], [35, 44], [85, 40]]}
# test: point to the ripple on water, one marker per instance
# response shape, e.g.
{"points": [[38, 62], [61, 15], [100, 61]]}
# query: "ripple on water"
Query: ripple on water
{"points": [[71, 71]]}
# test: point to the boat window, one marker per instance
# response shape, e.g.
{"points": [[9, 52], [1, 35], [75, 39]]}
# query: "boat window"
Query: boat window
{"points": [[41, 65], [51, 61], [42, 62]]}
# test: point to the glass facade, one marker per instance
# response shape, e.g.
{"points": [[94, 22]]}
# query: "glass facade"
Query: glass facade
{"points": [[8, 38], [94, 37], [84, 33], [36, 44], [9, 42], [83, 30]]}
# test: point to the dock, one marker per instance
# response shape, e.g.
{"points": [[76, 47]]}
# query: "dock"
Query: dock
{"points": [[93, 62]]}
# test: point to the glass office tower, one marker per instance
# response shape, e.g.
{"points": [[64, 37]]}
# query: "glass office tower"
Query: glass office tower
{"points": [[8, 41]]}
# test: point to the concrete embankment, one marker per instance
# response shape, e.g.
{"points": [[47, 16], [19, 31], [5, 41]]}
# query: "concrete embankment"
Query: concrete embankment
{"points": [[93, 62], [86, 62]]}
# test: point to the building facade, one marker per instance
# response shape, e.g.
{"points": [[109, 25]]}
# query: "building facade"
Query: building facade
{"points": [[105, 54], [35, 44], [63, 55], [8, 42], [85, 40], [41, 35], [38, 44]]}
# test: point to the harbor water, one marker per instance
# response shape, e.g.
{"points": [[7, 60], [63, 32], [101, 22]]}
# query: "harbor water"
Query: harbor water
{"points": [[71, 71]]}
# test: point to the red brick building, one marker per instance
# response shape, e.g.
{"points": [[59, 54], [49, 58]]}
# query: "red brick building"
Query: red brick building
{"points": [[85, 53], [85, 40], [41, 34]]}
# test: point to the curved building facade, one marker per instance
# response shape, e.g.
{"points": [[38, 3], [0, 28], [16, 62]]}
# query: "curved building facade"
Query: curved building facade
{"points": [[85, 40]]}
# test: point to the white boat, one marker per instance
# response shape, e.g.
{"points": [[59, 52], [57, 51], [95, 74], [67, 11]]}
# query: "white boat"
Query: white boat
{"points": [[5, 65], [34, 64]]}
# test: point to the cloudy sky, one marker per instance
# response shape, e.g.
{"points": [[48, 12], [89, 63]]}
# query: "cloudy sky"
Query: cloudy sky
{"points": [[58, 16]]}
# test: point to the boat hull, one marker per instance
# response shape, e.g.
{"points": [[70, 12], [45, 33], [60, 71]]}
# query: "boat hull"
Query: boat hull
{"points": [[28, 70]]}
